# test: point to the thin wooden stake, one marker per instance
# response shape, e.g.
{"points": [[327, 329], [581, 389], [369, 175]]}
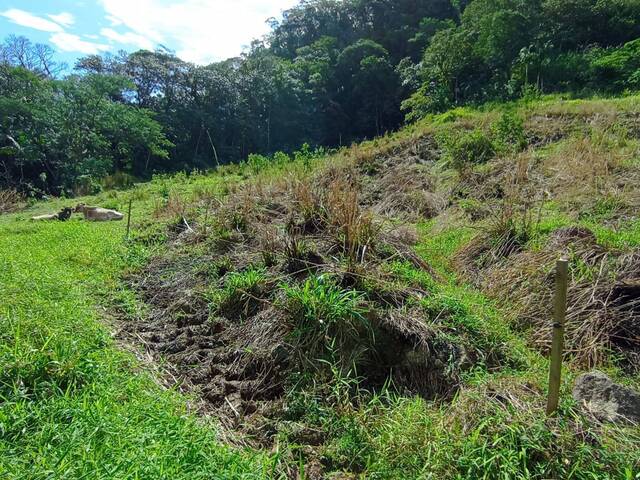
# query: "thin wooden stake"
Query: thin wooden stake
{"points": [[129, 218], [557, 345]]}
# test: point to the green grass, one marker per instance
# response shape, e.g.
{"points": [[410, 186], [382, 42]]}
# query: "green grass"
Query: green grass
{"points": [[74, 405]]}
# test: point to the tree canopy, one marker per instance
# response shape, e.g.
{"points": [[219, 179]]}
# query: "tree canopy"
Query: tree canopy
{"points": [[330, 72]]}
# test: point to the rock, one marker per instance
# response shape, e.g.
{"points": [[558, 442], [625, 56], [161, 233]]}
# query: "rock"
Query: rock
{"points": [[606, 400]]}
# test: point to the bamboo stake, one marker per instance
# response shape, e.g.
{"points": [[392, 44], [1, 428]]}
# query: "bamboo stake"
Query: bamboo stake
{"points": [[129, 218], [559, 314]]}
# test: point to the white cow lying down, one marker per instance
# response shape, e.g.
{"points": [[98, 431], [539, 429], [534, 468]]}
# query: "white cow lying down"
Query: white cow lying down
{"points": [[98, 214], [62, 215]]}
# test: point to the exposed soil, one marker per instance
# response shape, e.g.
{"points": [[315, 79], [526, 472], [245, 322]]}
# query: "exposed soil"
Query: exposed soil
{"points": [[242, 355]]}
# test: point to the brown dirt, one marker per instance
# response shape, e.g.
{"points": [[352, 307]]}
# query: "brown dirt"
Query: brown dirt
{"points": [[241, 356]]}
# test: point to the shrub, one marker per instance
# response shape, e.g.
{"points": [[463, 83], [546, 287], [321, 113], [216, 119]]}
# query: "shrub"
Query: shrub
{"points": [[469, 149], [257, 162], [305, 154], [281, 158], [508, 132]]}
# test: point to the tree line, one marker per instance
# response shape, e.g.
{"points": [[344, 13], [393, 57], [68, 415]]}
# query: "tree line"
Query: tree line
{"points": [[330, 72]]}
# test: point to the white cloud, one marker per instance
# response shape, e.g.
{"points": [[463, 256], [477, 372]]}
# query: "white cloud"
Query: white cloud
{"points": [[26, 19], [128, 38], [64, 18], [68, 42], [201, 31]]}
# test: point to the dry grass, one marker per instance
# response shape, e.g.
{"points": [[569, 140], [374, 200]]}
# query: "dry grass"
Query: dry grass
{"points": [[583, 163], [603, 309], [10, 201], [173, 206], [354, 228]]}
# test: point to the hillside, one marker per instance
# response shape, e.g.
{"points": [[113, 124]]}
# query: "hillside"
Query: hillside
{"points": [[378, 311]]}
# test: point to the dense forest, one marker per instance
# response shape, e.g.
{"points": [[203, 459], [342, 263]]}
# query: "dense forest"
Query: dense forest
{"points": [[329, 73]]}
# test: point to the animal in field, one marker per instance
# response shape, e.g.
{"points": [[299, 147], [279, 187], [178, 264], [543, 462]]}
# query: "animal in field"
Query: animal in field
{"points": [[98, 214], [62, 215]]}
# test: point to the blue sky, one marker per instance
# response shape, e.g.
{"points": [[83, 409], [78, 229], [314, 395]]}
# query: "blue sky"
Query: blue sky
{"points": [[199, 31]]}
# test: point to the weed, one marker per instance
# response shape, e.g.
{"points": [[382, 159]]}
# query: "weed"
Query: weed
{"points": [[241, 295], [467, 150], [323, 314]]}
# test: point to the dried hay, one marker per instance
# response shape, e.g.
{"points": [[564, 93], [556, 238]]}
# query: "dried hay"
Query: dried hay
{"points": [[11, 201], [603, 298]]}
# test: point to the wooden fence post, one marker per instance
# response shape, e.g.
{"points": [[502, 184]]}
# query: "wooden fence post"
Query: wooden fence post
{"points": [[129, 218], [559, 314]]}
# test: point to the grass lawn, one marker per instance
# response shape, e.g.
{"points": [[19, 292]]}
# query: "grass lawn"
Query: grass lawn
{"points": [[73, 405]]}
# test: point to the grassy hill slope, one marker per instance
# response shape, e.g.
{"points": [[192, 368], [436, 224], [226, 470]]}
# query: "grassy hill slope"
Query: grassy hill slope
{"points": [[380, 312]]}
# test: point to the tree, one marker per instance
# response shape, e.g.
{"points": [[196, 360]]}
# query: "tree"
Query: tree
{"points": [[55, 133], [18, 51]]}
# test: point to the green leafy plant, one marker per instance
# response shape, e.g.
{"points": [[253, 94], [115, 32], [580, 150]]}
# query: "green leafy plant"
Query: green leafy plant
{"points": [[327, 317], [508, 133], [467, 150]]}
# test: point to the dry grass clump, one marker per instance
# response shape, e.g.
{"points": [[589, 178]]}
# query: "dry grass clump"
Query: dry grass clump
{"points": [[174, 206], [406, 190], [10, 201], [512, 220], [355, 229], [584, 163], [603, 299]]}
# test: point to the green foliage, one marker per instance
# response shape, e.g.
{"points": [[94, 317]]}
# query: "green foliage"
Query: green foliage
{"points": [[238, 296], [257, 162], [502, 49], [620, 67], [508, 133], [327, 316], [67, 135], [466, 150]]}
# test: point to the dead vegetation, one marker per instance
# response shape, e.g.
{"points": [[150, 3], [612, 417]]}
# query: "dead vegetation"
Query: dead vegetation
{"points": [[580, 175], [603, 307], [289, 278], [11, 201]]}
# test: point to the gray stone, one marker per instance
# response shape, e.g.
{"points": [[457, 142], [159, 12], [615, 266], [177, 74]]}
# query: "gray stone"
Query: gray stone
{"points": [[607, 401]]}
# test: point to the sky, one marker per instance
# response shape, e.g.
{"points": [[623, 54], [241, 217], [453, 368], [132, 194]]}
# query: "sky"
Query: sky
{"points": [[199, 31]]}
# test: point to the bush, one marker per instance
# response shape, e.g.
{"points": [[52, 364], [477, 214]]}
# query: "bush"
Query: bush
{"points": [[470, 149], [257, 162], [508, 132]]}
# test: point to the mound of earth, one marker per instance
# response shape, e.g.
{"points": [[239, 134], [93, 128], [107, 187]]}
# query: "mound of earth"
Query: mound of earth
{"points": [[240, 347], [603, 298]]}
